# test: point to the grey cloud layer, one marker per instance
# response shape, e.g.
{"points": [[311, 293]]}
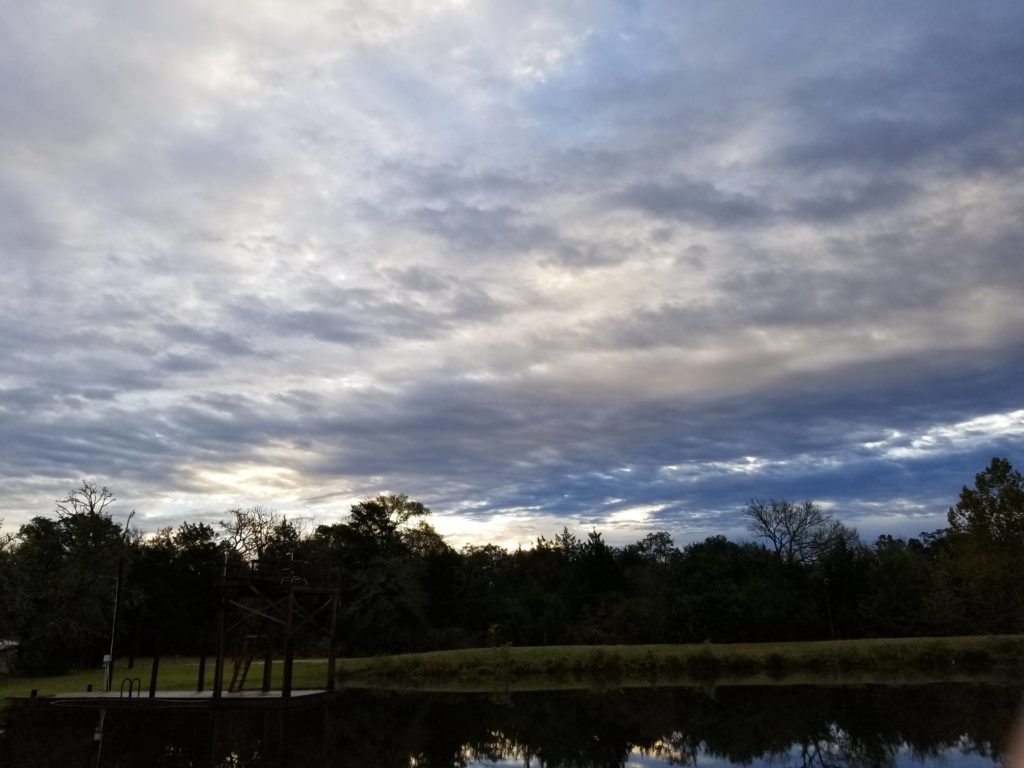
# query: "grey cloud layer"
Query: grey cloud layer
{"points": [[563, 259]]}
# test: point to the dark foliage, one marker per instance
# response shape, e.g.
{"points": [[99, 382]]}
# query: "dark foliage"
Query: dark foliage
{"points": [[404, 588]]}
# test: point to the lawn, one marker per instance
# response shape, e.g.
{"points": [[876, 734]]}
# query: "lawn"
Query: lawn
{"points": [[573, 666], [884, 660]]}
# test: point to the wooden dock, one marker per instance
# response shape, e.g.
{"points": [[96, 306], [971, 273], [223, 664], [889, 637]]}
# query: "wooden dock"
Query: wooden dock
{"points": [[179, 699]]}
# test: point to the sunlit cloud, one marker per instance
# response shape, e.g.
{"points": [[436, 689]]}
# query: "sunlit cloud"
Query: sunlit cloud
{"points": [[964, 435]]}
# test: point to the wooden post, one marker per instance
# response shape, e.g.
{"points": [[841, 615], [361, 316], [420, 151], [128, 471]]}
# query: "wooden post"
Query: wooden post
{"points": [[201, 682], [331, 653], [268, 661], [218, 667], [289, 649], [153, 674]]}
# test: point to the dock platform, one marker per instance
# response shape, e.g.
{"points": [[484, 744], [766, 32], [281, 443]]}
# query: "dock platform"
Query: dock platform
{"points": [[178, 699]]}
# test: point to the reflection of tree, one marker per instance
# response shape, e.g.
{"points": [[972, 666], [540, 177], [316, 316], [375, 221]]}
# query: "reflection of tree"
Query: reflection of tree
{"points": [[677, 748], [806, 727], [839, 750]]}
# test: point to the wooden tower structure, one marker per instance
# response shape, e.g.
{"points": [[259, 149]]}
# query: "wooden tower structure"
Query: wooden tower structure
{"points": [[263, 607]]}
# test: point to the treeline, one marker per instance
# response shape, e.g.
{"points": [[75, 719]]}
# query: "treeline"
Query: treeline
{"points": [[806, 576]]}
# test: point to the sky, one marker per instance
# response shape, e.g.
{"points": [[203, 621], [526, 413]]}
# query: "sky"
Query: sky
{"points": [[606, 265]]}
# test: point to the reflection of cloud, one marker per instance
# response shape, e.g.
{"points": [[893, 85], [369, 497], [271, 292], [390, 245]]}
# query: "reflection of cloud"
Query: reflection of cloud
{"points": [[664, 756]]}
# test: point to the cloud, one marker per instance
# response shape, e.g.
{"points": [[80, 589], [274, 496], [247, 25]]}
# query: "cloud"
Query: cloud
{"points": [[517, 262], [946, 95], [698, 202]]}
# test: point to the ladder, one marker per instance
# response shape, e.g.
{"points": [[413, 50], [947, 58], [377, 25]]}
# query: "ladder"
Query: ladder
{"points": [[243, 661]]}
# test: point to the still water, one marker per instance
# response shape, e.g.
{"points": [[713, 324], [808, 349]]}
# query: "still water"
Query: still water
{"points": [[949, 725]]}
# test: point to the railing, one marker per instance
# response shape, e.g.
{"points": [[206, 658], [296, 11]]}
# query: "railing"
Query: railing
{"points": [[134, 685], [265, 573]]}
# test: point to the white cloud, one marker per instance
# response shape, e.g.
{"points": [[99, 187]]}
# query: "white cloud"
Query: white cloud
{"points": [[964, 435]]}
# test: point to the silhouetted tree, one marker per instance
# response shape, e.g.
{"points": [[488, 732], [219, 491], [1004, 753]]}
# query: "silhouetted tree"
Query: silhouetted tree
{"points": [[381, 525], [895, 602], [59, 582], [798, 533], [389, 560], [726, 591], [5, 537], [978, 576], [257, 533], [172, 589], [86, 499], [994, 508]]}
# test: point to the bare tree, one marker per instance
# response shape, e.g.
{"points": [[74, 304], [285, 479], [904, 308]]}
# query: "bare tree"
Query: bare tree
{"points": [[253, 531], [799, 533], [5, 538], [88, 498]]}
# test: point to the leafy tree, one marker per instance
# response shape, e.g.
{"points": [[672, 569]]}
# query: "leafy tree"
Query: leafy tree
{"points": [[642, 611], [568, 544], [726, 591], [484, 593], [978, 577], [897, 590], [388, 560], [5, 601], [598, 566], [423, 541], [843, 571], [994, 508], [59, 582], [173, 596], [657, 547], [381, 524], [542, 604]]}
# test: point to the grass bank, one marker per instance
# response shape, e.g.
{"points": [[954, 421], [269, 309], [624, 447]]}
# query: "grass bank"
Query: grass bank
{"points": [[902, 660], [876, 660]]}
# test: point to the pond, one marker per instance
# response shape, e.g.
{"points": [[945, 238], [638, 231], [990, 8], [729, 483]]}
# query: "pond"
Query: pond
{"points": [[949, 725]]}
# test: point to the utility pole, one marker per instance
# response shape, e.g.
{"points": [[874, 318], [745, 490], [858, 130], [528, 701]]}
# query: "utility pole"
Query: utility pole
{"points": [[109, 683], [828, 609]]}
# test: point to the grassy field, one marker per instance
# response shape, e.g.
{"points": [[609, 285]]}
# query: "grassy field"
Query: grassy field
{"points": [[881, 660], [878, 660]]}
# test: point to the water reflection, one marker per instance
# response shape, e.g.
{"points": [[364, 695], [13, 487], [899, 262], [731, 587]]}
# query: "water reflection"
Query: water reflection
{"points": [[804, 727]]}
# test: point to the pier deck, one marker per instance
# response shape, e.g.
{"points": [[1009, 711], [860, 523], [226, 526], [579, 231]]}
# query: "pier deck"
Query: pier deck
{"points": [[203, 700]]}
